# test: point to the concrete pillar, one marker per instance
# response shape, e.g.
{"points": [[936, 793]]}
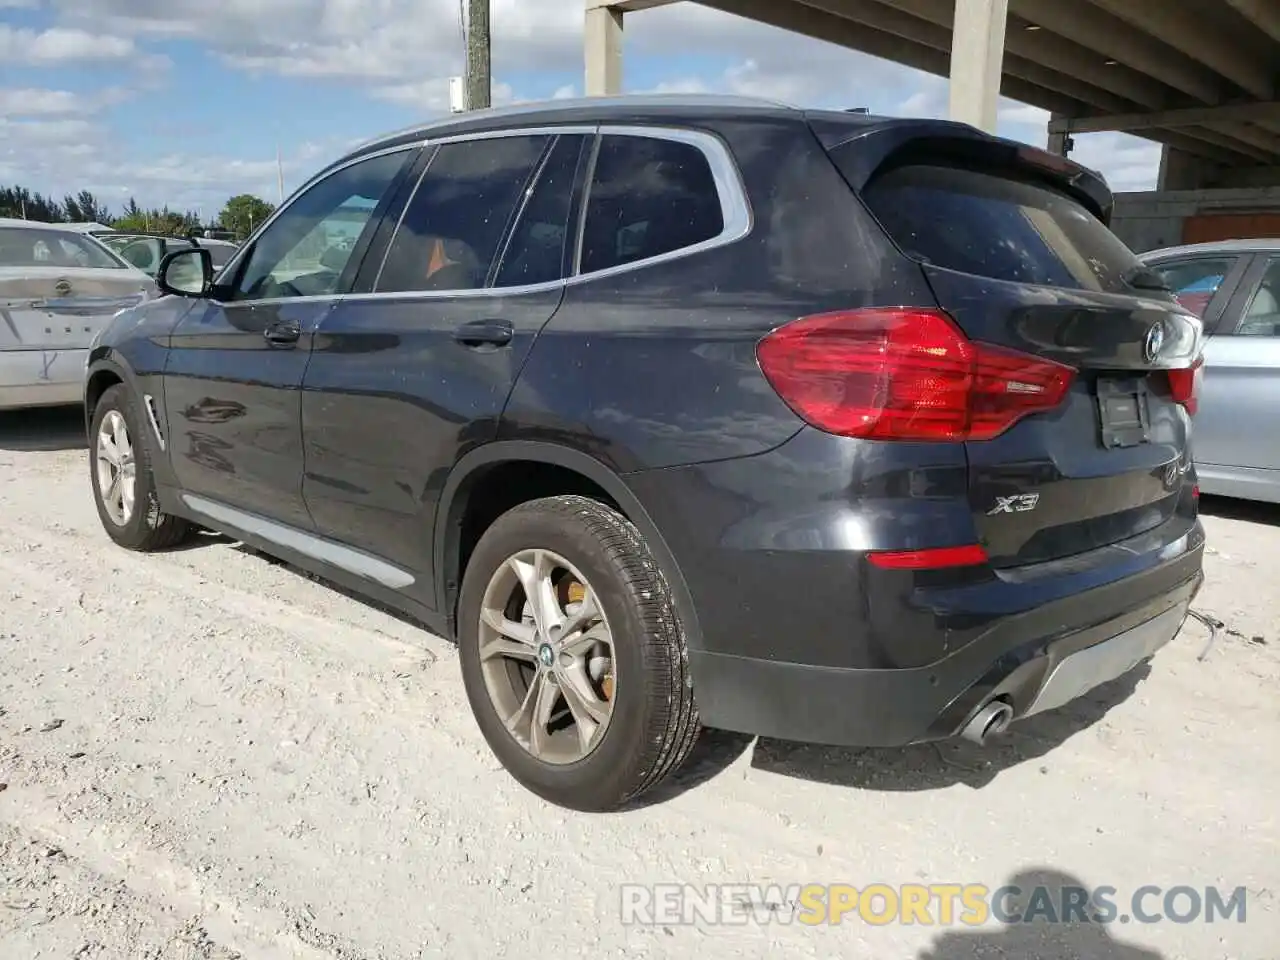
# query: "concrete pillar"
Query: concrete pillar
{"points": [[977, 58], [602, 39], [1184, 171], [1059, 143]]}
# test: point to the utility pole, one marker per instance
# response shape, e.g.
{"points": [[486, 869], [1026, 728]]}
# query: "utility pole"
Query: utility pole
{"points": [[279, 173], [479, 78]]}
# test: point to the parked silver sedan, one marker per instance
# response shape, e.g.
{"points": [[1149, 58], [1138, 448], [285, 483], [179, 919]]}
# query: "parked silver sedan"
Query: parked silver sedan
{"points": [[1234, 286], [58, 288]]}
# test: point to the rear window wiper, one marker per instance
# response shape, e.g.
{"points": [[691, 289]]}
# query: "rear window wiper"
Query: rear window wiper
{"points": [[1143, 277]]}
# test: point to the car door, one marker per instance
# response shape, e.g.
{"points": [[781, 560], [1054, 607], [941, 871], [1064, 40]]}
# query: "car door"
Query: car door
{"points": [[1235, 430], [233, 377], [414, 367]]}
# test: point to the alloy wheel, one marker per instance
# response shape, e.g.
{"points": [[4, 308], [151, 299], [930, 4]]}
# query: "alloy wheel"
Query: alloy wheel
{"points": [[117, 468], [547, 656]]}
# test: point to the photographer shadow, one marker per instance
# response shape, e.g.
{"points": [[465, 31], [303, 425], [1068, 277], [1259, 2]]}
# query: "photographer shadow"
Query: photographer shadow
{"points": [[1037, 933]]}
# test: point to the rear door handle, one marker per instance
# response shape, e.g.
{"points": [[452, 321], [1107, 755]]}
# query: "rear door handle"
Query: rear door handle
{"points": [[485, 333], [282, 334]]}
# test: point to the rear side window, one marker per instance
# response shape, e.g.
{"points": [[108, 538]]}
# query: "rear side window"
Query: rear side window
{"points": [[649, 196], [33, 247], [1194, 282], [536, 251], [1262, 316], [993, 226], [450, 232]]}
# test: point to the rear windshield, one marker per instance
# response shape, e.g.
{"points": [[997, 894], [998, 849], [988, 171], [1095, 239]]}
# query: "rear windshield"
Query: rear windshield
{"points": [[33, 247], [993, 226]]}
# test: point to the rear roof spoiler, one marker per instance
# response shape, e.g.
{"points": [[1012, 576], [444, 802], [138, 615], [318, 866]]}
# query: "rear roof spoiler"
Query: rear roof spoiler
{"points": [[881, 140]]}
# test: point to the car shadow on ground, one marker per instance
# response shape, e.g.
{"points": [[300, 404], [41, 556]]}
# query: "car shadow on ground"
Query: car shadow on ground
{"points": [[1250, 511], [926, 766], [934, 766], [1038, 921], [43, 430]]}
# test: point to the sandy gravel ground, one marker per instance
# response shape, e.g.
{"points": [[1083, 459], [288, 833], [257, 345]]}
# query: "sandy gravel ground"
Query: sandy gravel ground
{"points": [[208, 755]]}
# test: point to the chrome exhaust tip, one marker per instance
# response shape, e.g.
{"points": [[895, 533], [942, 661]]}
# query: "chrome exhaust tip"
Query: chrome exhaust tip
{"points": [[994, 718]]}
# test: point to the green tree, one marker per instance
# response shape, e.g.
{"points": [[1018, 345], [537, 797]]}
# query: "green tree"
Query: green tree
{"points": [[244, 213], [163, 221], [85, 208], [24, 204]]}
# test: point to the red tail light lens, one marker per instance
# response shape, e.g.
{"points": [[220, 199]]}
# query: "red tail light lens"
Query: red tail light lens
{"points": [[1184, 385], [905, 374], [935, 559]]}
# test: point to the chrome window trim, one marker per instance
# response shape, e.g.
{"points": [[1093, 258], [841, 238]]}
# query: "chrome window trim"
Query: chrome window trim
{"points": [[493, 292], [545, 130], [246, 248], [735, 209]]}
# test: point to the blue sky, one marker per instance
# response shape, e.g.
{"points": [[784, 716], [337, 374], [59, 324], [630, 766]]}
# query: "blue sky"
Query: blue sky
{"points": [[185, 102]]}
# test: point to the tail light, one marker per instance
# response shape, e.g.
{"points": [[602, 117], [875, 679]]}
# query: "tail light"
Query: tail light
{"points": [[905, 374], [1184, 385], [937, 558]]}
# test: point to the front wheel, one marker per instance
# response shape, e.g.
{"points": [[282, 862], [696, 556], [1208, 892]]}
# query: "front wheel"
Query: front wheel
{"points": [[120, 471], [572, 655]]}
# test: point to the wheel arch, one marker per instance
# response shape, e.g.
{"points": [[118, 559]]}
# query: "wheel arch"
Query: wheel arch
{"points": [[103, 372], [474, 467]]}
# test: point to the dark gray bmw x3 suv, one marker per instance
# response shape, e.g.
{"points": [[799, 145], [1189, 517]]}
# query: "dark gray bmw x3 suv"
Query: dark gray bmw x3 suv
{"points": [[677, 412]]}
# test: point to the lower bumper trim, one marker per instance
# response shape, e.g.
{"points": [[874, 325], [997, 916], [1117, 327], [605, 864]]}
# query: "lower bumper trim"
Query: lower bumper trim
{"points": [[1080, 672], [894, 707]]}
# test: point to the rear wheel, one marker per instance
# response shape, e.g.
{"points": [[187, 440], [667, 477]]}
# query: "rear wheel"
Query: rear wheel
{"points": [[123, 486], [572, 656]]}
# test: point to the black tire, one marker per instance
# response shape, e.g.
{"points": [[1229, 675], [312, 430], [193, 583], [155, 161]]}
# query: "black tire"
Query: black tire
{"points": [[147, 528], [654, 723]]}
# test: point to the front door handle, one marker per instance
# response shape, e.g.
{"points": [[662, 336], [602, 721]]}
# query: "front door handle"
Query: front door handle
{"points": [[485, 333], [282, 333]]}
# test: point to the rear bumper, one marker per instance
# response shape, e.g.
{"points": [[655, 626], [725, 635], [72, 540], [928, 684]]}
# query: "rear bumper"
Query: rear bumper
{"points": [[1027, 659], [41, 378]]}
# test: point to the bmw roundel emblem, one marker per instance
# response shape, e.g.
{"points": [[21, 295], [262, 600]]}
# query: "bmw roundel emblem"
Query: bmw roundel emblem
{"points": [[1155, 341]]}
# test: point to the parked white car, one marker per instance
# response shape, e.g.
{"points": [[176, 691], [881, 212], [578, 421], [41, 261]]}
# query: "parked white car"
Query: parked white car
{"points": [[58, 288]]}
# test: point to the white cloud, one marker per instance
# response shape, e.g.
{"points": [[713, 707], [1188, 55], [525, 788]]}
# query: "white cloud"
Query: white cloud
{"points": [[1129, 163], [432, 96], [38, 103], [1020, 113], [24, 102], [58, 46], [404, 51]]}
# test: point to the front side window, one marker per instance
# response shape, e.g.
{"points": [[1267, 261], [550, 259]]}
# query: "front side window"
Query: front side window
{"points": [[33, 247], [305, 249], [989, 225], [1195, 282], [1262, 316], [464, 204], [649, 196]]}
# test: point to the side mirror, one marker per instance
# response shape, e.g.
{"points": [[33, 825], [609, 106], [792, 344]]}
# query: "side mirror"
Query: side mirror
{"points": [[186, 273]]}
